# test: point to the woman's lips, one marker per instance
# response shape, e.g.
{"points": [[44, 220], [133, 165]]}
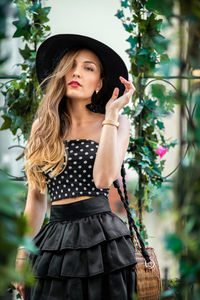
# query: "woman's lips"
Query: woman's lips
{"points": [[74, 84]]}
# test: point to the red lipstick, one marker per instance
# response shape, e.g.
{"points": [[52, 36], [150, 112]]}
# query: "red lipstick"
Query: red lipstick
{"points": [[74, 83]]}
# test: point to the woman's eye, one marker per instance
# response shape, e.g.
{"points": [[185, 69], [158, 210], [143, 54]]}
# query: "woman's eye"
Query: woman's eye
{"points": [[73, 65], [89, 68]]}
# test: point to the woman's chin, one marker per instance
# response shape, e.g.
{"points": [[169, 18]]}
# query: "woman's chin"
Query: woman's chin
{"points": [[77, 96]]}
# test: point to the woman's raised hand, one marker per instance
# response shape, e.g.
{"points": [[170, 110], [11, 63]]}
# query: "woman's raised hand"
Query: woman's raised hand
{"points": [[116, 104]]}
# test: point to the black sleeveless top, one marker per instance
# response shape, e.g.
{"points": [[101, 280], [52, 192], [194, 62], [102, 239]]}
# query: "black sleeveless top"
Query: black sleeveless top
{"points": [[77, 178]]}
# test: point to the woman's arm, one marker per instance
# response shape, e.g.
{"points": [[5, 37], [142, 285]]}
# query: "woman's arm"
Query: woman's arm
{"points": [[35, 209], [111, 151], [36, 203], [113, 141]]}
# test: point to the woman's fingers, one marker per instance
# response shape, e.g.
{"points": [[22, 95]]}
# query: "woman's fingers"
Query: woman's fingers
{"points": [[128, 84], [20, 288], [115, 94], [117, 103]]}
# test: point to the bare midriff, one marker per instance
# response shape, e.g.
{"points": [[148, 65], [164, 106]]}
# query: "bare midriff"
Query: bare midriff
{"points": [[70, 200]]}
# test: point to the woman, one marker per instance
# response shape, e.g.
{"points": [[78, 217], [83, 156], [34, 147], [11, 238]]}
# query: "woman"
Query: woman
{"points": [[76, 149]]}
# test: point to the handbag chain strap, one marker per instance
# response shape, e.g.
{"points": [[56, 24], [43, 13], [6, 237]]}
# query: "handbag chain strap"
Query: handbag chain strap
{"points": [[131, 221]]}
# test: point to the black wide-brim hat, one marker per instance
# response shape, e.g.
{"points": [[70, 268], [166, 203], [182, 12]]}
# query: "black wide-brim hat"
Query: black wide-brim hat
{"points": [[54, 48]]}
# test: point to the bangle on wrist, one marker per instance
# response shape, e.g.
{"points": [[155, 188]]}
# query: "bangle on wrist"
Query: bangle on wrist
{"points": [[110, 122], [21, 258]]}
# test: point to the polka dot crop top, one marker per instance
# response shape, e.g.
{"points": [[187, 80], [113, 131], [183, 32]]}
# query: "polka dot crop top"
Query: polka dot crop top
{"points": [[77, 178]]}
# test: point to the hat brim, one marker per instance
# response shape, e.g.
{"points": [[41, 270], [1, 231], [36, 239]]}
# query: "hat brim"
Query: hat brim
{"points": [[54, 48]]}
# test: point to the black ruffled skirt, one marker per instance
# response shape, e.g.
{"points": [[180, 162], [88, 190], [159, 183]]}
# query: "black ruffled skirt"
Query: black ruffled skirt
{"points": [[85, 253]]}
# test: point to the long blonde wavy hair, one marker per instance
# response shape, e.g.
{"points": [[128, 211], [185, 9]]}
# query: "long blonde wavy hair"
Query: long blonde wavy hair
{"points": [[45, 151]]}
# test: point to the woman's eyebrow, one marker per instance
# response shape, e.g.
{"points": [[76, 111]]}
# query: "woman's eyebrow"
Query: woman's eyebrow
{"points": [[89, 62]]}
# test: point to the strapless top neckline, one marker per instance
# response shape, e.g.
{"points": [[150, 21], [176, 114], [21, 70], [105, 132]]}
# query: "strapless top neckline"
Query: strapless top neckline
{"points": [[73, 140]]}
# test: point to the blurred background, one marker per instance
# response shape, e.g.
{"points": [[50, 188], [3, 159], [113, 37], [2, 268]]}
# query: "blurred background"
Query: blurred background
{"points": [[98, 19]]}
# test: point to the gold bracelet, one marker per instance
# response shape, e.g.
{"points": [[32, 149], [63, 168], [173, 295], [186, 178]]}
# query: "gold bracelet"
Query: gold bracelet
{"points": [[110, 122], [23, 258], [21, 247]]}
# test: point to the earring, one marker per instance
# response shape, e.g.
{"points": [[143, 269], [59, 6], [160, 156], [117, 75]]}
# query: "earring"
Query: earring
{"points": [[93, 106]]}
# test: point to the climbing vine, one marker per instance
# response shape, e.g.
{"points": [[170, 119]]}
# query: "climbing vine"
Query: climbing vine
{"points": [[21, 96], [149, 59], [147, 51]]}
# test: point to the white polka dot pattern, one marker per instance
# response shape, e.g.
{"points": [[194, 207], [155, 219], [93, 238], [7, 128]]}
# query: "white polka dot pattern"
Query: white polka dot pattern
{"points": [[76, 180]]}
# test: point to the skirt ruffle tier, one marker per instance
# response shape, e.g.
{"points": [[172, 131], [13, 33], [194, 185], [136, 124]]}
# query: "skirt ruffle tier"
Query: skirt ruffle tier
{"points": [[85, 253]]}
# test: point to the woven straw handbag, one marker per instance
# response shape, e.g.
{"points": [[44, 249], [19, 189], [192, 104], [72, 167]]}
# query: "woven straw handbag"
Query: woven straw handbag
{"points": [[148, 274], [148, 277]]}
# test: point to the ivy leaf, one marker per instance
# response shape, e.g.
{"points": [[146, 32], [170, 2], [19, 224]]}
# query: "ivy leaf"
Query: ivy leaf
{"points": [[160, 125], [151, 104], [160, 43], [132, 41], [124, 3], [145, 158], [164, 7], [42, 14], [7, 123], [144, 52], [26, 52], [142, 59], [129, 27], [146, 151], [119, 14], [173, 143], [47, 28], [131, 52], [39, 13], [158, 90], [126, 110], [159, 24], [164, 58], [23, 27], [143, 164]]}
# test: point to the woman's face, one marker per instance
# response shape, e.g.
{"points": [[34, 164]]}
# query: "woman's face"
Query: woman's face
{"points": [[84, 77]]}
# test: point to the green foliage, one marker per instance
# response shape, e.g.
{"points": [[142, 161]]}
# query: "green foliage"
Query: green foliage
{"points": [[21, 102], [21, 97], [146, 52], [148, 56], [4, 7], [184, 242], [164, 7], [13, 228]]}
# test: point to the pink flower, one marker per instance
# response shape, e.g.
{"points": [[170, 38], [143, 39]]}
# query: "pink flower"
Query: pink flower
{"points": [[161, 151]]}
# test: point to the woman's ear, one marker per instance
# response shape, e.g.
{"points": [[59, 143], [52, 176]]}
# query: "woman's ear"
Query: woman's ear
{"points": [[100, 84]]}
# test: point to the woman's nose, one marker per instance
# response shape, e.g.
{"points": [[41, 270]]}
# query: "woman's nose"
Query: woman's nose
{"points": [[76, 72]]}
